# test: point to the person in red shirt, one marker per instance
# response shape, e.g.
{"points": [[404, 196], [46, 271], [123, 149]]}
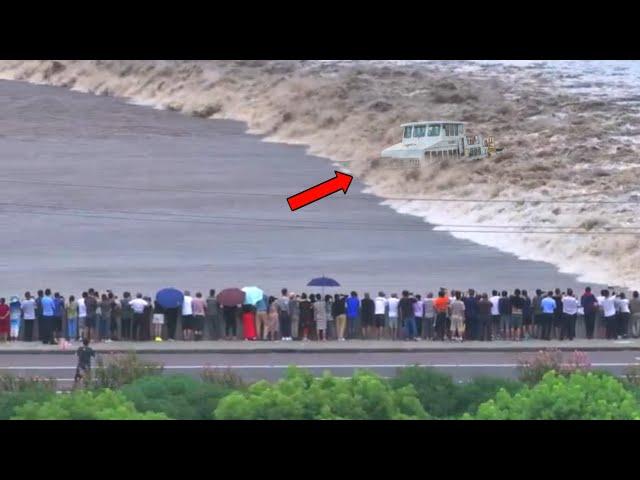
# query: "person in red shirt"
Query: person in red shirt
{"points": [[4, 320], [441, 306]]}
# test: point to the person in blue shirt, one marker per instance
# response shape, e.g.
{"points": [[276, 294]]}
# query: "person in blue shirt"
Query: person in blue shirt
{"points": [[548, 306], [58, 313], [353, 309], [46, 323]]}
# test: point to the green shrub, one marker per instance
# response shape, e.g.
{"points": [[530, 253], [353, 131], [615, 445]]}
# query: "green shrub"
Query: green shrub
{"points": [[16, 391], [436, 390], [115, 370], [179, 396], [84, 405], [13, 383], [227, 378], [580, 396], [300, 396], [533, 369], [470, 395]]}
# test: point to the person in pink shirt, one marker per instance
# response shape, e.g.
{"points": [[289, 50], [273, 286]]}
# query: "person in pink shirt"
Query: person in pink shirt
{"points": [[199, 312]]}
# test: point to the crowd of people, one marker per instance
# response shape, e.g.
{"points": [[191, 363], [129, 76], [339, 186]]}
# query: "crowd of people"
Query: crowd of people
{"points": [[446, 316]]}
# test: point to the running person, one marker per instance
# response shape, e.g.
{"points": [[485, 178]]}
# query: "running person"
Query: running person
{"points": [[84, 353]]}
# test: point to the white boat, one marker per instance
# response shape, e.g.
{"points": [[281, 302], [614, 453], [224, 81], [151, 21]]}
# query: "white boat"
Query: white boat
{"points": [[433, 140]]}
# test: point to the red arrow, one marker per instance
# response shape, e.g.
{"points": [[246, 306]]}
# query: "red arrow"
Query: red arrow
{"points": [[340, 182]]}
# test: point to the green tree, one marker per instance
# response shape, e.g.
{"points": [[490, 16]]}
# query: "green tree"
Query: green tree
{"points": [[436, 390], [179, 396], [581, 396], [300, 396], [84, 405]]}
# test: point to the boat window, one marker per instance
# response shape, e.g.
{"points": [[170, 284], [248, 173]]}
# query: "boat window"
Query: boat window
{"points": [[451, 129], [407, 132], [419, 130], [434, 130]]}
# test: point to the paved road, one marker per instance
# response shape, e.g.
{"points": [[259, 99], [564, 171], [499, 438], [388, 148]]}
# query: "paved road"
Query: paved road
{"points": [[270, 366]]}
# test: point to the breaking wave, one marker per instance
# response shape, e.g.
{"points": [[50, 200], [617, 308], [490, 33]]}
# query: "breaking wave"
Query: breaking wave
{"points": [[570, 131]]}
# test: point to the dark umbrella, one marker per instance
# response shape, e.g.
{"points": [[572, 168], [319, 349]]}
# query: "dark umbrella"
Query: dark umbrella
{"points": [[169, 298], [323, 282], [230, 297]]}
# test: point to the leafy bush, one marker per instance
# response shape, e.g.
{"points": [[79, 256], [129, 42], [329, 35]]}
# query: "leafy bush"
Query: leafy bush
{"points": [[580, 396], [300, 396], [227, 378], [115, 370], [179, 396], [533, 369], [480, 389], [84, 405], [436, 390], [16, 391]]}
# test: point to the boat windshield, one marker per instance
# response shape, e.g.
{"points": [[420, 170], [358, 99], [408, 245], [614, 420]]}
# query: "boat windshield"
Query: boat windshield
{"points": [[407, 132], [419, 130], [434, 130]]}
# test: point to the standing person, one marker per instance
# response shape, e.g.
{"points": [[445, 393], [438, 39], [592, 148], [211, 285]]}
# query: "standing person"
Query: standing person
{"points": [[537, 314], [306, 316], [320, 317], [72, 319], [624, 316], [15, 314], [39, 323], [405, 308], [367, 309], [600, 325], [471, 316], [199, 312], [441, 305], [590, 306], [283, 315], [557, 314], [116, 317], [609, 315], [4, 321], [495, 314], [262, 317], [138, 305], [147, 319], [527, 319], [105, 318], [429, 317], [634, 308], [569, 315], [294, 314], [380, 310], [187, 316], [331, 324], [28, 306], [517, 314], [504, 308], [230, 313], [484, 317], [48, 311], [248, 323], [457, 309], [82, 315], [548, 305], [393, 316], [272, 323], [85, 353], [213, 316], [418, 313], [58, 313], [353, 310], [126, 315], [158, 321], [91, 305], [339, 312]]}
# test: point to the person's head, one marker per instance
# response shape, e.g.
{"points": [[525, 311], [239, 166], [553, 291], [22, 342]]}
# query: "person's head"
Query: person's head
{"points": [[588, 289], [602, 292], [605, 293], [441, 294], [405, 293], [198, 294], [104, 297], [516, 292], [2, 300], [72, 298], [284, 292], [303, 296], [621, 295], [485, 296], [91, 291], [394, 295], [494, 292], [187, 293], [47, 292], [381, 294], [85, 294], [570, 292], [27, 295], [457, 295], [354, 294], [472, 292], [635, 294], [272, 299], [524, 293], [549, 293], [538, 292], [557, 291], [212, 292], [327, 298], [138, 295], [85, 341], [418, 297], [126, 295], [336, 297], [430, 295], [40, 293], [366, 295], [110, 296], [504, 293]]}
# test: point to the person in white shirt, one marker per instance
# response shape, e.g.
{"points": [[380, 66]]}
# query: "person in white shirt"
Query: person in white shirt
{"points": [[569, 316], [187, 316], [600, 326], [429, 317], [495, 313], [82, 316], [393, 315], [380, 311], [609, 312], [28, 307], [138, 305], [624, 314]]}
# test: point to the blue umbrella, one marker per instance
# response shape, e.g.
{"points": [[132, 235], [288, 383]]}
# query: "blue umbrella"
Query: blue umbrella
{"points": [[323, 282], [169, 298], [252, 295]]}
